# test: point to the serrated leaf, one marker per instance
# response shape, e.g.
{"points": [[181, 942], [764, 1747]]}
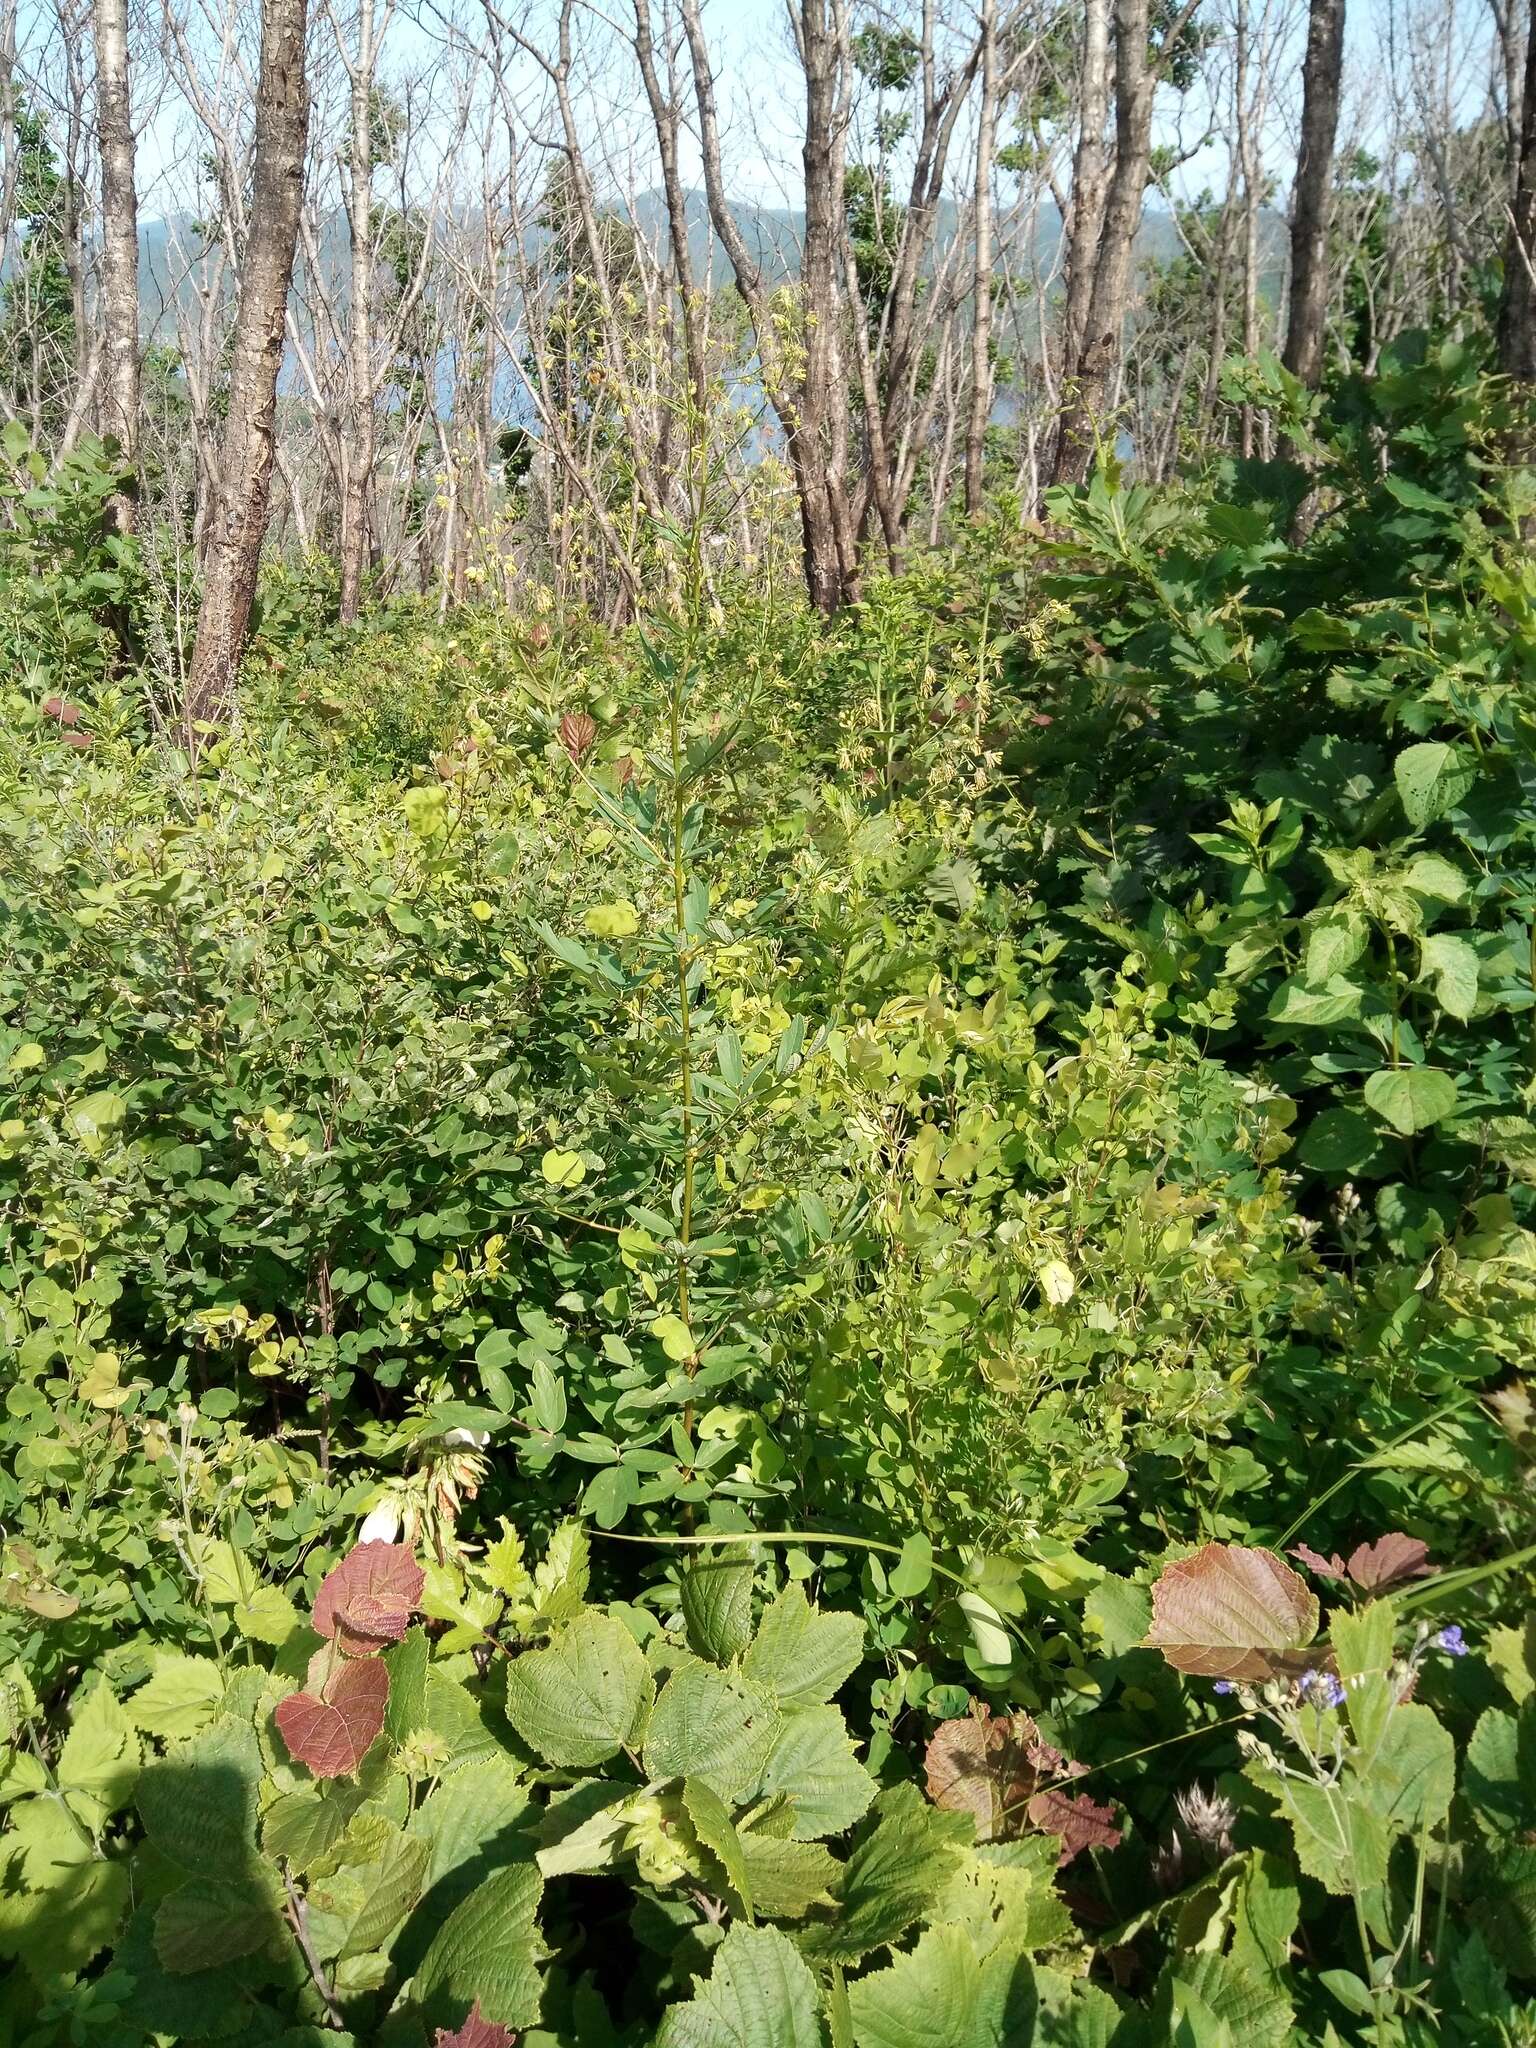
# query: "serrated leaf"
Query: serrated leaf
{"points": [[180, 1696], [1451, 963], [487, 1952], [303, 1827], [787, 1877], [941, 1995], [1230, 1612], [367, 1600], [334, 1730], [892, 1878], [800, 1654], [716, 1598], [759, 1994], [1432, 778], [584, 1697], [708, 1725], [394, 1884], [1412, 1099], [269, 1616], [100, 1757], [716, 1832], [405, 1710], [812, 1763], [198, 1803], [201, 1926]]}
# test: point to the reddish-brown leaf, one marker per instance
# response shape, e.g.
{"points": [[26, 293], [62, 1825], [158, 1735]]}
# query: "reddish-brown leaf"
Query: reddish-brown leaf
{"points": [[998, 1771], [476, 2032], [1080, 1821], [1391, 1560], [332, 1732], [989, 1768], [1326, 1567], [367, 1600], [578, 734], [1231, 1612]]}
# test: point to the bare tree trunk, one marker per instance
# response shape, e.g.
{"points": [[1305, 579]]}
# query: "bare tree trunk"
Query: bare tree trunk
{"points": [[1104, 323], [1517, 307], [359, 455], [981, 310], [1320, 77], [664, 115], [119, 246], [1090, 171], [245, 463]]}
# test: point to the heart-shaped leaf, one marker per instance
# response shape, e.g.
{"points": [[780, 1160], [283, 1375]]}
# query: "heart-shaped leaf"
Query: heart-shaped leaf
{"points": [[1231, 1612], [367, 1600], [333, 1731]]}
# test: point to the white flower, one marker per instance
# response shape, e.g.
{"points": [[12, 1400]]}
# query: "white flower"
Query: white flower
{"points": [[380, 1524], [474, 1439]]}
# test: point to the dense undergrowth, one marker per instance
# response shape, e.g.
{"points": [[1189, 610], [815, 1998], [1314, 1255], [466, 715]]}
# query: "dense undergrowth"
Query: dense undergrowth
{"points": [[1014, 1113]]}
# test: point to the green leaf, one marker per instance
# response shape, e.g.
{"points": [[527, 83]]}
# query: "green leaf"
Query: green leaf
{"points": [[100, 1757], [759, 1995], [200, 1926], [801, 1654], [406, 1708], [393, 1886], [269, 1616], [488, 1949], [941, 1996], [180, 1696], [1411, 1099], [1451, 963], [812, 1762], [303, 1827], [563, 1169], [585, 1697], [198, 1803], [716, 1831], [710, 1726], [892, 1878], [913, 1570], [1500, 1778], [1432, 778], [716, 1597], [674, 1337], [788, 1878]]}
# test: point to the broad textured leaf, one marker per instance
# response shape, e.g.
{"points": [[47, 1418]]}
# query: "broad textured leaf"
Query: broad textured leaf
{"points": [[366, 1602], [812, 1763], [1391, 1560], [801, 1654], [584, 1697], [759, 1994], [1500, 1780], [941, 1995], [1432, 778], [100, 1757], [198, 1803], [708, 1725], [1331, 1567], [1082, 1823], [716, 1832], [1451, 963], [302, 1827], [488, 1952], [1412, 1099], [892, 1878], [995, 1768], [200, 1926], [788, 1878], [269, 1616], [716, 1598], [334, 1731], [1230, 1612], [476, 2032], [406, 1708], [180, 1696], [394, 1884]]}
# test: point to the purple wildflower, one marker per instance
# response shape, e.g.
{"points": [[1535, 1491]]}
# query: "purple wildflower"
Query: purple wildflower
{"points": [[1224, 1685], [1450, 1640], [1321, 1688]]}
